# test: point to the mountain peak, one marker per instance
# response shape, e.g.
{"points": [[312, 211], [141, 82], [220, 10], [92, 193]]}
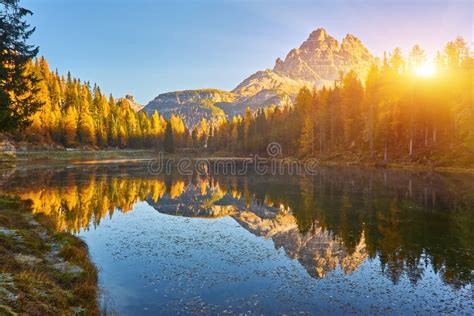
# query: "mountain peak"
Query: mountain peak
{"points": [[351, 38], [321, 58], [130, 97], [319, 39], [319, 34]]}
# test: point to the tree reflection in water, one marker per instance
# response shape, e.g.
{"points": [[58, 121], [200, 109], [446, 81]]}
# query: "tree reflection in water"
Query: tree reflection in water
{"points": [[339, 218]]}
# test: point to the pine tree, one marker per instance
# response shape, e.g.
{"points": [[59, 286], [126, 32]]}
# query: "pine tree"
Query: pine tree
{"points": [[322, 119], [371, 106], [195, 138], [396, 60], [234, 134], [158, 126], [203, 131], [247, 124], [17, 80], [417, 57], [307, 137], [179, 130], [86, 127], [112, 125], [122, 136], [168, 143], [336, 121], [40, 121], [100, 112], [56, 115], [352, 98], [70, 126], [145, 129]]}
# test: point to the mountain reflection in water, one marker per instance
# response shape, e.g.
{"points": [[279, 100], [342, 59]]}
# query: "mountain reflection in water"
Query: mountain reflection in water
{"points": [[339, 218]]}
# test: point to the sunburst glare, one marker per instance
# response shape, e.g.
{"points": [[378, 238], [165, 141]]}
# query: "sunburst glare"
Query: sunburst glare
{"points": [[426, 69]]}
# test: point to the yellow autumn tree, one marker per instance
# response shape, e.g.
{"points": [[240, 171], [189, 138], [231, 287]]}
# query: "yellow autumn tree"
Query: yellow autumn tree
{"points": [[86, 127], [70, 126]]}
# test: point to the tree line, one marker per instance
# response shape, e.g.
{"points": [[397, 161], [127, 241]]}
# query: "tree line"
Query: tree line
{"points": [[73, 114]]}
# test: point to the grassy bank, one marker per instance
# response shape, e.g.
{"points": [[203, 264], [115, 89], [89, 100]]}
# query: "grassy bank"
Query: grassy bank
{"points": [[77, 156], [42, 272]]}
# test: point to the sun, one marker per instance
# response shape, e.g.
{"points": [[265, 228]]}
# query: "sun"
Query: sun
{"points": [[425, 70]]}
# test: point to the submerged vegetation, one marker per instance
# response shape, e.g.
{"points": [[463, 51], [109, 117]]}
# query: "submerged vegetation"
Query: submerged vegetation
{"points": [[42, 271]]}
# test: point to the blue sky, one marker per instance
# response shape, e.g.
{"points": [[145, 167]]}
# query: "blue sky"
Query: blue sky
{"points": [[146, 48]]}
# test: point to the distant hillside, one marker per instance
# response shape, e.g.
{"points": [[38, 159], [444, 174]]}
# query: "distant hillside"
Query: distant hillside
{"points": [[191, 105]]}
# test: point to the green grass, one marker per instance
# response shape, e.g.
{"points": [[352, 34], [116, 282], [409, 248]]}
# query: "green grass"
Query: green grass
{"points": [[42, 272]]}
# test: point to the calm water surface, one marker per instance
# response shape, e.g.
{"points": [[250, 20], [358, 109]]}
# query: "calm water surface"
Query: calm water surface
{"points": [[349, 240]]}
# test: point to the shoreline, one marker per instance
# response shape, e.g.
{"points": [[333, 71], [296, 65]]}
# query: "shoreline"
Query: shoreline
{"points": [[78, 157], [42, 271]]}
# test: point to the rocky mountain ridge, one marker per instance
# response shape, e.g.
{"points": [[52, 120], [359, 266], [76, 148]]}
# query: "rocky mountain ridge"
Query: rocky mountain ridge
{"points": [[319, 61], [192, 105], [130, 99]]}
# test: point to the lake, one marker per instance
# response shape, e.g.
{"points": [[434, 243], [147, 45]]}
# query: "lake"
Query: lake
{"points": [[346, 240]]}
